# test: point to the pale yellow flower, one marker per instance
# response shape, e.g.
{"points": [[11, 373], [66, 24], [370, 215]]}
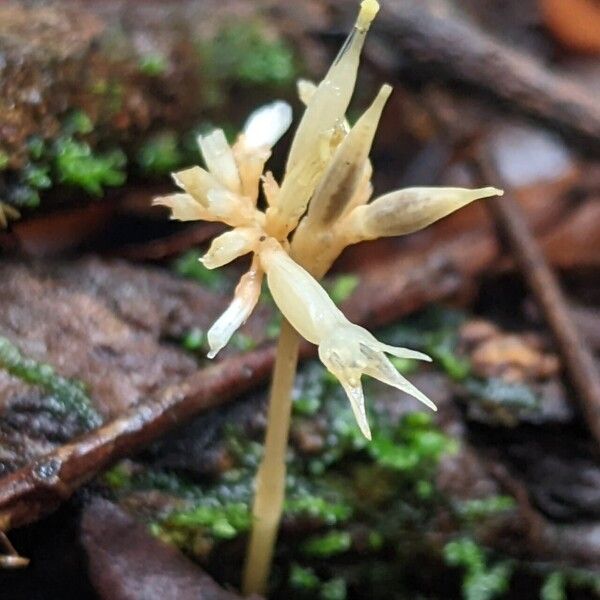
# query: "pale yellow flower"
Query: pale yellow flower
{"points": [[323, 201]]}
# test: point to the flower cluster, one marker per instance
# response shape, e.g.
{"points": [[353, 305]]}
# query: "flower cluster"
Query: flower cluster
{"points": [[321, 206]]}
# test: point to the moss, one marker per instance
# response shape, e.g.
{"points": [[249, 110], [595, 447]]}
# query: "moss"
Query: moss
{"points": [[76, 165], [36, 147], [503, 394], [160, 154], [330, 544], [243, 52], [481, 580], [414, 444], [481, 508], [319, 508], [303, 578], [307, 583], [554, 587], [118, 477], [77, 122], [70, 395], [37, 176], [194, 340], [4, 160], [222, 522], [23, 196]]}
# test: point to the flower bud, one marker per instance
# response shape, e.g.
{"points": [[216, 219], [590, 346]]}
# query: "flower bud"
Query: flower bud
{"points": [[219, 159], [230, 245], [344, 173], [408, 210], [303, 302], [329, 102], [266, 125]]}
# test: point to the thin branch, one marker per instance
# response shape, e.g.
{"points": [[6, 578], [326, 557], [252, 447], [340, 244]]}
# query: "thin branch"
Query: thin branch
{"points": [[431, 39], [404, 281], [578, 358]]}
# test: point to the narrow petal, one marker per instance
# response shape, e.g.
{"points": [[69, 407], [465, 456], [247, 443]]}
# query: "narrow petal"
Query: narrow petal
{"points": [[320, 128], [266, 125], [245, 298], [270, 188], [382, 369], [357, 402], [342, 357], [306, 90], [196, 182], [183, 207], [250, 163], [411, 209], [230, 245], [231, 208], [219, 159], [403, 352]]}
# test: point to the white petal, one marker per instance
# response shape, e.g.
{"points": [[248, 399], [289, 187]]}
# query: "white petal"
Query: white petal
{"points": [[230, 245], [245, 298], [403, 352], [196, 182], [219, 159], [183, 207], [266, 125], [382, 369], [357, 402], [230, 208]]}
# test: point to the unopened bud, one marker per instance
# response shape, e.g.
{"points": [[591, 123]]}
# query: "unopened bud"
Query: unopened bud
{"points": [[408, 210], [329, 102], [346, 168]]}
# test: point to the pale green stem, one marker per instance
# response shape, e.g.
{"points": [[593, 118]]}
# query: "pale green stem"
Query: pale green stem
{"points": [[269, 491]]}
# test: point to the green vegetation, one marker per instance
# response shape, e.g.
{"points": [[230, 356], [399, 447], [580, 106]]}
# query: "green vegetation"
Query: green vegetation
{"points": [[361, 518], [341, 287], [70, 396], [68, 160], [160, 155], [245, 53], [481, 580], [76, 165]]}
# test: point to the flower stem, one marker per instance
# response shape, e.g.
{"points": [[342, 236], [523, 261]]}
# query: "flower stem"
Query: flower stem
{"points": [[270, 479]]}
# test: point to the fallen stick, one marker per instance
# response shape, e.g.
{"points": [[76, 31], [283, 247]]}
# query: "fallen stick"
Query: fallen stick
{"points": [[402, 283], [429, 38], [578, 358]]}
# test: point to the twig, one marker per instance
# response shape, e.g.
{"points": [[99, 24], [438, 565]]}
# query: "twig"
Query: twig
{"points": [[40, 487], [578, 359], [430, 38], [404, 282]]}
